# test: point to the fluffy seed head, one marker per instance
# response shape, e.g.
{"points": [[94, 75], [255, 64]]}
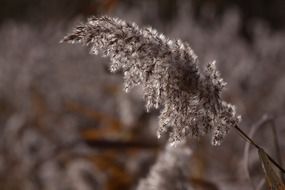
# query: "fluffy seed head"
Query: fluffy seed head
{"points": [[168, 71]]}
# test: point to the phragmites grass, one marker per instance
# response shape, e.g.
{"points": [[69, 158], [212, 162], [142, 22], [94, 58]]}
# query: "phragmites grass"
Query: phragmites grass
{"points": [[169, 72], [171, 170]]}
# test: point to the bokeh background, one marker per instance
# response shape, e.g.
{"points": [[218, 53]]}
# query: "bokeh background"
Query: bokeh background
{"points": [[66, 124]]}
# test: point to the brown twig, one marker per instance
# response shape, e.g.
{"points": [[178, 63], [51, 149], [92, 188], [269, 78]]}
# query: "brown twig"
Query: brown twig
{"points": [[277, 147], [249, 140]]}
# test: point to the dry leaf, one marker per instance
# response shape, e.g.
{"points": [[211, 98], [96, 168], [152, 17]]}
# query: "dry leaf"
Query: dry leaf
{"points": [[273, 180]]}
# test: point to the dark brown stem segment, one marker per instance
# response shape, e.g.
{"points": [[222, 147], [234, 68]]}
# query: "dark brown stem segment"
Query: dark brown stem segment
{"points": [[277, 147], [251, 141]]}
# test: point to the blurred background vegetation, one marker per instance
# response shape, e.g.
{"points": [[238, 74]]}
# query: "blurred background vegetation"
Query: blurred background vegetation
{"points": [[66, 124], [40, 11]]}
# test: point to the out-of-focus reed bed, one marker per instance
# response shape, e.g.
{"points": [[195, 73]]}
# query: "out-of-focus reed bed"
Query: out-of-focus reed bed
{"points": [[67, 124]]}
